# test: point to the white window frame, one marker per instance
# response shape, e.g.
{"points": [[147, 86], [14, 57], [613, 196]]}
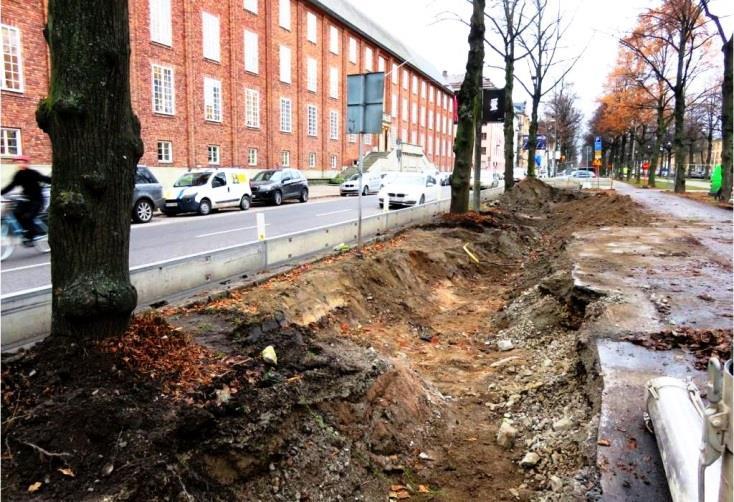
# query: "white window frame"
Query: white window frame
{"points": [[334, 82], [405, 110], [413, 137], [210, 36], [333, 161], [369, 58], [414, 112], [394, 73], [5, 141], [312, 71], [284, 14], [15, 49], [311, 27], [252, 52], [252, 156], [406, 78], [161, 28], [430, 119], [352, 138], [285, 64], [252, 108], [380, 63], [430, 93], [352, 50], [213, 155], [333, 39], [164, 151], [213, 100], [423, 88], [312, 160], [286, 115], [285, 158], [334, 125], [415, 84], [312, 121], [423, 116], [250, 5], [165, 98], [394, 105]]}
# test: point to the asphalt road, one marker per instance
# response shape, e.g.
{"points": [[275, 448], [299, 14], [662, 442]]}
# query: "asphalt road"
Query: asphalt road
{"points": [[165, 238]]}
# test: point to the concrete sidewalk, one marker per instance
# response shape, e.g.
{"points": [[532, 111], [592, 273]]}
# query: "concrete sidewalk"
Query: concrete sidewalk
{"points": [[674, 273], [323, 191]]}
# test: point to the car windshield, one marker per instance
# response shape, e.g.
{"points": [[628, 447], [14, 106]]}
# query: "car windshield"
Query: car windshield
{"points": [[354, 177], [193, 179], [267, 176], [409, 179]]}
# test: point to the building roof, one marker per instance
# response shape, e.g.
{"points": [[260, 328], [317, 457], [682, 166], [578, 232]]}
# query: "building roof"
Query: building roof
{"points": [[455, 81], [362, 24]]}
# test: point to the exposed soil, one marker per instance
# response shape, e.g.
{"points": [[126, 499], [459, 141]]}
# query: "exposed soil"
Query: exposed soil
{"points": [[395, 370]]}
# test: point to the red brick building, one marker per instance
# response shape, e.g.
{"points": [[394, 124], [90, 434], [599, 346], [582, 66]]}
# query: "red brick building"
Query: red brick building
{"points": [[250, 83]]}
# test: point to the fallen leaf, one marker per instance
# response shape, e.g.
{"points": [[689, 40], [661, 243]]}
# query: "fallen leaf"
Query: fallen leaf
{"points": [[423, 489], [34, 487], [396, 488], [67, 472], [603, 442], [403, 494]]}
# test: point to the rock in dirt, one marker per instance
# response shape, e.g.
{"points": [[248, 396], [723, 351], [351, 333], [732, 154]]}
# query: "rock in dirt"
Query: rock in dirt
{"points": [[563, 424], [505, 345], [269, 356], [506, 435], [556, 483], [530, 459]]}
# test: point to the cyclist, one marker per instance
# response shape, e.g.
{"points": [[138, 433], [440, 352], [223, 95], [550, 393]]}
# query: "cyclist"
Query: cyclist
{"points": [[27, 210]]}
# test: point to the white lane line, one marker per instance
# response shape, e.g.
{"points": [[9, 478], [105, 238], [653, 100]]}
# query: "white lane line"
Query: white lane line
{"points": [[230, 230], [334, 212], [26, 267]]}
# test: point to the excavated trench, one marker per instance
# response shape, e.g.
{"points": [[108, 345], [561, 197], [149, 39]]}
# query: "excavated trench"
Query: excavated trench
{"points": [[445, 363]]}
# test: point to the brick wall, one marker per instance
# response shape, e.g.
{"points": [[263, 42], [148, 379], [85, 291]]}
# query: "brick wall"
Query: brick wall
{"points": [[187, 129]]}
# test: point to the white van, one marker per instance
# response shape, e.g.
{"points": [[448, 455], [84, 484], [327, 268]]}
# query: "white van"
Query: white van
{"points": [[371, 184], [204, 190]]}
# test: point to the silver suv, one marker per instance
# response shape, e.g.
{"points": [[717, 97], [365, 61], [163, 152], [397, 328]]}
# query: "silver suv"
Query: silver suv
{"points": [[147, 196]]}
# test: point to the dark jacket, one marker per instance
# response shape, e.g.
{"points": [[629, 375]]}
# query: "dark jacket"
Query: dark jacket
{"points": [[30, 181]]}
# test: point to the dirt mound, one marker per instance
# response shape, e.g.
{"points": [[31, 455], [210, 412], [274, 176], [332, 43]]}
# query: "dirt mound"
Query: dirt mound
{"points": [[532, 194]]}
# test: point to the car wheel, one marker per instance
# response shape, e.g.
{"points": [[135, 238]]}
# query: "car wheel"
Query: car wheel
{"points": [[304, 195], [422, 201], [205, 207], [142, 211], [245, 203], [277, 198], [381, 205], [365, 190]]}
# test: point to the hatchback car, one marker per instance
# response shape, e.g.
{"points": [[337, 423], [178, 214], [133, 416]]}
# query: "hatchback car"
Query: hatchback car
{"points": [[147, 195], [408, 189], [277, 185]]}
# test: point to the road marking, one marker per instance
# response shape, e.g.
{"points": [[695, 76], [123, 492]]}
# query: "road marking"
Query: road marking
{"points": [[230, 230], [25, 267], [334, 212]]}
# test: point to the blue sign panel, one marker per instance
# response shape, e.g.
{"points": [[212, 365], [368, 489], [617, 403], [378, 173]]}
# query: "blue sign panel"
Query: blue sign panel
{"points": [[597, 144]]}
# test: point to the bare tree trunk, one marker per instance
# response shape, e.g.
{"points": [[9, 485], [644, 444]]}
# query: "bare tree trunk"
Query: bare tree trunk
{"points": [[533, 138], [509, 126], [469, 111], [709, 148], [659, 132], [726, 123], [95, 139], [622, 157], [679, 116]]}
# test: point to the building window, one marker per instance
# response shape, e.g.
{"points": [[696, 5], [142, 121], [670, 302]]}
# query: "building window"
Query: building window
{"points": [[212, 152], [251, 5], [285, 158], [10, 144], [430, 145], [414, 113], [212, 99], [423, 88], [367, 139], [284, 14], [333, 125], [404, 114], [415, 84], [423, 116], [404, 134], [333, 40], [394, 73], [210, 36], [394, 105], [311, 120], [352, 138], [285, 64], [165, 151], [333, 82], [311, 27], [430, 94], [333, 161], [368, 59], [252, 156], [311, 74], [380, 63], [405, 79], [451, 105], [252, 52], [160, 21], [311, 160], [252, 108], [413, 137], [12, 60], [163, 95], [286, 122], [352, 50], [430, 119]]}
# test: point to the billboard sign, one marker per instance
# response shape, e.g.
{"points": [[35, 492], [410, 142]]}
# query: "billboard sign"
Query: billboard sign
{"points": [[365, 94]]}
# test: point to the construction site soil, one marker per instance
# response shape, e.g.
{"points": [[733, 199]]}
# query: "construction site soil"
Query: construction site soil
{"points": [[444, 363]]}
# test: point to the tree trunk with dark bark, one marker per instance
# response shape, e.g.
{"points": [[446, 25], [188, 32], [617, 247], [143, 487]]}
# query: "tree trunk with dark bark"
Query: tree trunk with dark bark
{"points": [[726, 123], [509, 125], [622, 157], [533, 137], [95, 139], [659, 133], [679, 117], [469, 111]]}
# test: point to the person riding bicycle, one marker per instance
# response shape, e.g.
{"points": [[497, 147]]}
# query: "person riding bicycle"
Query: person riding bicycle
{"points": [[27, 210]]}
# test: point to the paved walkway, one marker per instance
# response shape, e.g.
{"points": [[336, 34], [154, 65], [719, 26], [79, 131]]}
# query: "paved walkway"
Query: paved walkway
{"points": [[675, 272], [321, 191]]}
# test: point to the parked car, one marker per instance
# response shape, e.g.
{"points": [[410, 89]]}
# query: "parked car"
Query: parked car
{"points": [[147, 195], [582, 173], [444, 178], [203, 191], [371, 184], [277, 185], [408, 189]]}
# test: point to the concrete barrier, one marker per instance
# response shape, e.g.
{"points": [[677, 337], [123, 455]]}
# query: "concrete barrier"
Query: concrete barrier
{"points": [[26, 316]]}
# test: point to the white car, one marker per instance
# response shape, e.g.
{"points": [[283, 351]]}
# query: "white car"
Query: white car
{"points": [[372, 183], [206, 190], [408, 189]]}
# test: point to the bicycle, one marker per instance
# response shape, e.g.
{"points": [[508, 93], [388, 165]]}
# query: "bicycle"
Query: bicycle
{"points": [[11, 232]]}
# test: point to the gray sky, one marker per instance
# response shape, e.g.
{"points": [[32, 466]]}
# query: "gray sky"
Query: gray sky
{"points": [[595, 26]]}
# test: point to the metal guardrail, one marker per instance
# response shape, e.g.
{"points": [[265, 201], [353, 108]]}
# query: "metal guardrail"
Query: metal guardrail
{"points": [[26, 316], [580, 183]]}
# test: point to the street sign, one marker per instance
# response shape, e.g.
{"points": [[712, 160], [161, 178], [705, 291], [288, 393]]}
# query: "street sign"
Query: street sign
{"points": [[597, 144], [364, 103], [493, 109], [540, 142]]}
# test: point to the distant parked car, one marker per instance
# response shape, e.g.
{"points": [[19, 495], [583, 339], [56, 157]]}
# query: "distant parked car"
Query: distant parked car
{"points": [[147, 195], [444, 178], [277, 185], [582, 174], [203, 191], [409, 189], [371, 184]]}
